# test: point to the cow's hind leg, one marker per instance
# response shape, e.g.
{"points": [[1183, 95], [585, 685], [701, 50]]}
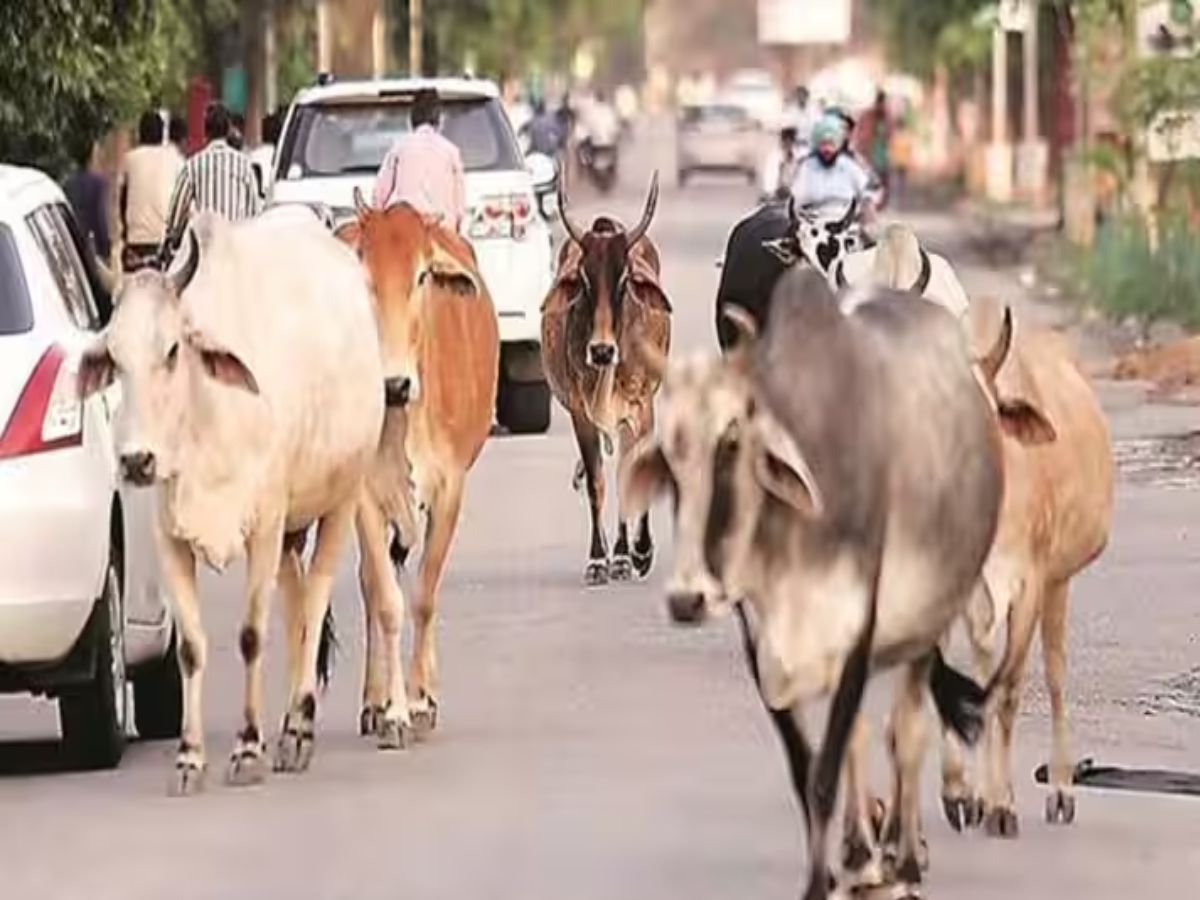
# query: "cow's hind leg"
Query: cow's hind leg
{"points": [[442, 523], [636, 560], [295, 747], [588, 438], [1060, 805], [264, 550], [179, 571], [906, 742], [385, 699], [862, 858]]}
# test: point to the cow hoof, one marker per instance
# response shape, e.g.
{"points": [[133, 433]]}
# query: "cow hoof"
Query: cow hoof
{"points": [[394, 734], [621, 569], [1001, 822], [1060, 808], [187, 779], [596, 573], [579, 476], [247, 766], [294, 752], [424, 716], [643, 563], [370, 720]]}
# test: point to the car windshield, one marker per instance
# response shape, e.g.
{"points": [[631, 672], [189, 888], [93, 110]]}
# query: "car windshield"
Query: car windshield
{"points": [[16, 313], [725, 114], [352, 138]]}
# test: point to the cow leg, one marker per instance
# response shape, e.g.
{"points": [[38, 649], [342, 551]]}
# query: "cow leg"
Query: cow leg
{"points": [[295, 747], [862, 858], [385, 699], [906, 742], [1060, 805], [443, 520], [588, 439], [264, 550], [1000, 820], [179, 571], [822, 789]]}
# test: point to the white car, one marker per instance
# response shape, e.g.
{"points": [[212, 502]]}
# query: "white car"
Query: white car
{"points": [[82, 612], [334, 140], [756, 92]]}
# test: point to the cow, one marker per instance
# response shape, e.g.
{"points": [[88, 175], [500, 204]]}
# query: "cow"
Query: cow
{"points": [[778, 236], [1054, 521], [441, 344], [605, 309], [253, 399], [840, 475]]}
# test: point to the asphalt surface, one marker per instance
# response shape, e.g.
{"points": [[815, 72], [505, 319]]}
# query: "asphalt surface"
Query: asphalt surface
{"points": [[586, 748]]}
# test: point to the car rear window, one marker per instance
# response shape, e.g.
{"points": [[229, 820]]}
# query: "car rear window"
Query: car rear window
{"points": [[352, 138], [709, 115], [16, 312]]}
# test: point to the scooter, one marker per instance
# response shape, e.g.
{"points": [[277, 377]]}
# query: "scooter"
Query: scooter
{"points": [[599, 163]]}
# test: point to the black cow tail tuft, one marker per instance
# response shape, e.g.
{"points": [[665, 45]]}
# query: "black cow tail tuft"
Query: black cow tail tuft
{"points": [[959, 700]]}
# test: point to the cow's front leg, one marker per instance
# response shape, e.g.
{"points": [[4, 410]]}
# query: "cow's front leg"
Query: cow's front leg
{"points": [[385, 700], [586, 435], [264, 549], [862, 857], [295, 747], [179, 570]]}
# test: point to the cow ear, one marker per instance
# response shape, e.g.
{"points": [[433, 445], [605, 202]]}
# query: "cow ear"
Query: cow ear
{"points": [[96, 370], [782, 470], [222, 364], [1025, 422], [644, 475], [785, 249], [650, 292], [349, 233]]}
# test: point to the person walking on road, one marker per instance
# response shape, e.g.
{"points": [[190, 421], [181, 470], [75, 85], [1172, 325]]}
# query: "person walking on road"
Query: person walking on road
{"points": [[217, 179], [87, 190], [423, 168], [145, 185], [874, 140]]}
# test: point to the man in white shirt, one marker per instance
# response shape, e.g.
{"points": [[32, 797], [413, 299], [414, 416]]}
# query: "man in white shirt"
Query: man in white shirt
{"points": [[828, 178], [145, 183]]}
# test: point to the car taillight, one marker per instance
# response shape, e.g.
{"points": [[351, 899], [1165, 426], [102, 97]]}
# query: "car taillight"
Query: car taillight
{"points": [[502, 216], [49, 413]]}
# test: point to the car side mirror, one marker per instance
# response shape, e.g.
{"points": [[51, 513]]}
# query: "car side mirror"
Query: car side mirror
{"points": [[543, 171]]}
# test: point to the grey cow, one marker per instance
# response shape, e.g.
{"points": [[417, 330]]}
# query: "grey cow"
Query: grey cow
{"points": [[842, 475]]}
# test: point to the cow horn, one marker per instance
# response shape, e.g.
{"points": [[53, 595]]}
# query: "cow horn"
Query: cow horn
{"points": [[844, 222], [182, 277], [647, 213], [572, 228], [360, 203], [991, 363]]}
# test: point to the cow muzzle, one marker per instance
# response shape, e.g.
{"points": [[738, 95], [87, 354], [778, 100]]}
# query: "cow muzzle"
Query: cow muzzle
{"points": [[138, 468], [398, 391], [687, 607], [602, 354]]}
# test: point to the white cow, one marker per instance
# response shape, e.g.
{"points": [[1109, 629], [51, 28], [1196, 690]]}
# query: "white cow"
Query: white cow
{"points": [[253, 398]]}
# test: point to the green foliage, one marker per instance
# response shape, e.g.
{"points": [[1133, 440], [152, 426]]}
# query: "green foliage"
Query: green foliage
{"points": [[916, 33], [1154, 86], [295, 64], [1129, 278]]}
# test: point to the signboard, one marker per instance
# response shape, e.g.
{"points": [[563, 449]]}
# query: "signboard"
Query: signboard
{"points": [[1015, 15], [1174, 136], [795, 22]]}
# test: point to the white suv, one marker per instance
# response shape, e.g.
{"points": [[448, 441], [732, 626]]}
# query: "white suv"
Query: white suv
{"points": [[82, 611], [335, 138]]}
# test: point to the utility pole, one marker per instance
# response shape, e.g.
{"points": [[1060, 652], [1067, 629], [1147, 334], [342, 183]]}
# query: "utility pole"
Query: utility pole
{"points": [[324, 38], [416, 33]]}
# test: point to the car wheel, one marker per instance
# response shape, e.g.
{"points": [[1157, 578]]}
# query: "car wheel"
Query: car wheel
{"points": [[158, 697], [524, 407], [93, 715]]}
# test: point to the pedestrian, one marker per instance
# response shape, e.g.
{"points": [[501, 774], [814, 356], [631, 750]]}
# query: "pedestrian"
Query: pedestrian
{"points": [[237, 131], [874, 139], [264, 154], [217, 179], [423, 168], [87, 190], [177, 132], [145, 185]]}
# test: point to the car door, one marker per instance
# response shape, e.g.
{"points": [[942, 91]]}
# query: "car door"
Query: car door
{"points": [[56, 229]]}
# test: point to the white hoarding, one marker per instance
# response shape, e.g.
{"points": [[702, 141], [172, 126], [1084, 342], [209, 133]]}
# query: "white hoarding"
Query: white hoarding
{"points": [[803, 21]]}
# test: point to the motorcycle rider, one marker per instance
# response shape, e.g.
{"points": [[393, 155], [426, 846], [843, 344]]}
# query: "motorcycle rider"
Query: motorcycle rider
{"points": [[829, 177], [598, 129]]}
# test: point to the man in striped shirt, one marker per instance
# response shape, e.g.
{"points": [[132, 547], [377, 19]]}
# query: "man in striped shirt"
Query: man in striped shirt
{"points": [[219, 179]]}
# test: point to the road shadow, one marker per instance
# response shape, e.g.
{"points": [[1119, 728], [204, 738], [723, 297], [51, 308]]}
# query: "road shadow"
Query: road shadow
{"points": [[37, 756]]}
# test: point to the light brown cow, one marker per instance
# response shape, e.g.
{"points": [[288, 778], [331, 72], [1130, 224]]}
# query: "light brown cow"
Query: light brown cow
{"points": [[441, 348], [605, 309], [1054, 521]]}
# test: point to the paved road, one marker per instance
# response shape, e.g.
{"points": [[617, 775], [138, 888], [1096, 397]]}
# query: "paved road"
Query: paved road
{"points": [[587, 749]]}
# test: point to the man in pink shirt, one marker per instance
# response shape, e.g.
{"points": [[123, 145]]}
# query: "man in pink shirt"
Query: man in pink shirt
{"points": [[423, 168]]}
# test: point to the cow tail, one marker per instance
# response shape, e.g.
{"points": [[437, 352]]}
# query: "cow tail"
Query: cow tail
{"points": [[327, 648], [959, 700]]}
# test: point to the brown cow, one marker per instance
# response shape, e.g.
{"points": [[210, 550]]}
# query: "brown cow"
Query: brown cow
{"points": [[604, 310], [1054, 521], [441, 348]]}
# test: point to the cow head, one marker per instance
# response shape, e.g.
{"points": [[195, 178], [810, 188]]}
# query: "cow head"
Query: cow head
{"points": [[168, 366], [721, 456], [824, 243], [407, 256], [601, 282]]}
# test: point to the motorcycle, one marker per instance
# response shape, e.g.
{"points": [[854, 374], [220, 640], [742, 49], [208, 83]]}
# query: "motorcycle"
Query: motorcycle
{"points": [[599, 163]]}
